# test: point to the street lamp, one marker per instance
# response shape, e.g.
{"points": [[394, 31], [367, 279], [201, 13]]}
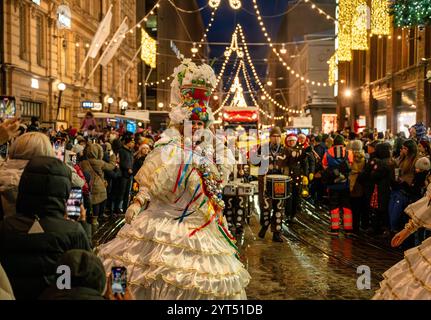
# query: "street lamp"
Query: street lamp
{"points": [[110, 101], [61, 87], [161, 105], [139, 104], [347, 93]]}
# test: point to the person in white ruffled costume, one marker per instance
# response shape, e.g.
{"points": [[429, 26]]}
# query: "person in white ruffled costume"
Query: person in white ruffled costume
{"points": [[410, 279], [179, 247]]}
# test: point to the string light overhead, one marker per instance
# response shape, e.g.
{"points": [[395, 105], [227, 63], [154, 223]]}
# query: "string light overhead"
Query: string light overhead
{"points": [[234, 4], [277, 53], [320, 11]]}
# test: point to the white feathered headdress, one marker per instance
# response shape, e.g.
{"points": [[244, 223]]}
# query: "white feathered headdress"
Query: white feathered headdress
{"points": [[188, 77]]}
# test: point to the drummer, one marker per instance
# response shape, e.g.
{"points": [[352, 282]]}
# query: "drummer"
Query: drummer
{"points": [[272, 209]]}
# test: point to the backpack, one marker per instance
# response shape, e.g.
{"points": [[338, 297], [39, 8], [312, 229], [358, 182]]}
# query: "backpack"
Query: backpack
{"points": [[338, 169]]}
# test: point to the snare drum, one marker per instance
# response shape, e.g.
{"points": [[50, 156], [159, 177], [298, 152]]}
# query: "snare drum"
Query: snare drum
{"points": [[245, 189], [230, 189], [277, 186], [255, 185]]}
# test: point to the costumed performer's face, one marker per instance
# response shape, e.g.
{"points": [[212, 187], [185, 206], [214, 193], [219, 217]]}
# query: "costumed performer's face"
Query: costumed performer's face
{"points": [[197, 125]]}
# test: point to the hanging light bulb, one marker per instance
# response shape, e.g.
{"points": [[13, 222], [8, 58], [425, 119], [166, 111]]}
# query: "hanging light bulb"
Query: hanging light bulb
{"points": [[283, 49], [214, 3], [235, 4], [194, 49]]}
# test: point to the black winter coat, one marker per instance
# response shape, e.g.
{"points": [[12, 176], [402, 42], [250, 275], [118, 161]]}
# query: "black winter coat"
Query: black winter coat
{"points": [[126, 161], [382, 175], [30, 259]]}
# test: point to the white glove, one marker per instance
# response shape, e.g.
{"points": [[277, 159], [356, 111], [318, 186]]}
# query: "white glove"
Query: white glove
{"points": [[132, 211]]}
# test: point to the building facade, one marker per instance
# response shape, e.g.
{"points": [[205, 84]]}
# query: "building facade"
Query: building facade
{"points": [[175, 26], [387, 85], [307, 50], [43, 47]]}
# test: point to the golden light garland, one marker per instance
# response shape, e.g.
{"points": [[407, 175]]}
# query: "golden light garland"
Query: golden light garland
{"points": [[319, 10], [344, 50], [359, 25], [149, 49], [256, 77], [380, 18], [155, 83], [250, 90], [280, 58], [333, 69]]}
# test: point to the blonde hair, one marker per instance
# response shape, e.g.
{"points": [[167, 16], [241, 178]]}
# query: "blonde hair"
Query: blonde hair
{"points": [[30, 145]]}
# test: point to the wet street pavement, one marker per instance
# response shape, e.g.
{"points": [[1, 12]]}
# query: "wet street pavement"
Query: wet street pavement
{"points": [[311, 264]]}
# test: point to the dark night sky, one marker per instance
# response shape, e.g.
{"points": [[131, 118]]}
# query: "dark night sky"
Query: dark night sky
{"points": [[226, 19]]}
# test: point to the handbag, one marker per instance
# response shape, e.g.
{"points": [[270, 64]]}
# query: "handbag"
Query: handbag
{"points": [[105, 183]]}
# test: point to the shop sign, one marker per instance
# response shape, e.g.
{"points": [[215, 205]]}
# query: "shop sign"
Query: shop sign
{"points": [[302, 122], [64, 17], [36, 1], [97, 106], [87, 104]]}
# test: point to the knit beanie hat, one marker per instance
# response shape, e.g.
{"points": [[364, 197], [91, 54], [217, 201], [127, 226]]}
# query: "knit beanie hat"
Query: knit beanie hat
{"points": [[339, 140], [275, 131], [423, 164]]}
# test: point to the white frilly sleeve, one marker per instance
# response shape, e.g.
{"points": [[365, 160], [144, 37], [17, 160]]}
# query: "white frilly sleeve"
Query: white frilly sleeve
{"points": [[158, 173]]}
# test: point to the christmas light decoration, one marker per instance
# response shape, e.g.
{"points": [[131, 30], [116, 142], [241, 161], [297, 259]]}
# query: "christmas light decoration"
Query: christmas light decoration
{"points": [[214, 3], [279, 56], [235, 4], [149, 49], [238, 98], [408, 13], [359, 25], [333, 69], [380, 18], [344, 26]]}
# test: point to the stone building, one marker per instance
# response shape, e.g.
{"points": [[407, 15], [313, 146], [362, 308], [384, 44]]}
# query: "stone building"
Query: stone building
{"points": [[308, 47], [387, 84], [42, 47]]}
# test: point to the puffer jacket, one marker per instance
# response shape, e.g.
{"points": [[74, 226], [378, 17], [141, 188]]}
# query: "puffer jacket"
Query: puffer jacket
{"points": [[29, 255], [95, 168], [10, 175], [88, 278], [357, 167]]}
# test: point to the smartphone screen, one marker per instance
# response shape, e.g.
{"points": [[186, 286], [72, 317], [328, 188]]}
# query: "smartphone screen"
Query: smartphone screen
{"points": [[59, 150], [74, 203], [119, 280]]}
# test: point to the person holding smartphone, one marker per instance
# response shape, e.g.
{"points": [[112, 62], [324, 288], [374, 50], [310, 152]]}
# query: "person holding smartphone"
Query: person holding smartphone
{"points": [[88, 280]]}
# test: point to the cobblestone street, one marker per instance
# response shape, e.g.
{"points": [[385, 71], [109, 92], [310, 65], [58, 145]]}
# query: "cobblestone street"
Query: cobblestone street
{"points": [[310, 264]]}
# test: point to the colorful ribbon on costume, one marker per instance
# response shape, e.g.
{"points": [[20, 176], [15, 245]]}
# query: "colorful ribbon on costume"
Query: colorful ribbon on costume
{"points": [[194, 198]]}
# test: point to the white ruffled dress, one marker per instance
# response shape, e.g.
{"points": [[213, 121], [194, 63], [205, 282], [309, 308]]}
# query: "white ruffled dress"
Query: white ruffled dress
{"points": [[163, 260], [410, 279]]}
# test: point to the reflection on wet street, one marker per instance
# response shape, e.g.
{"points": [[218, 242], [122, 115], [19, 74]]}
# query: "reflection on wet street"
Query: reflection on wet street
{"points": [[311, 264]]}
